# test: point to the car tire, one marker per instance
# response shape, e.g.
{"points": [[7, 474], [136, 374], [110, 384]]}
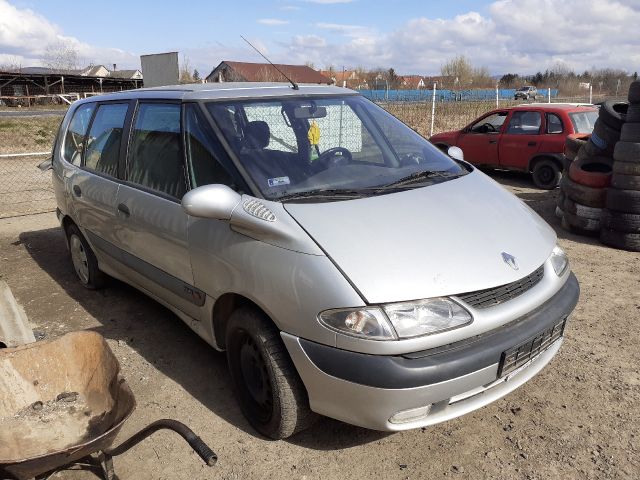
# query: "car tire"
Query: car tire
{"points": [[604, 137], [559, 212], [591, 171], [621, 240], [627, 152], [625, 182], [633, 113], [590, 149], [634, 92], [546, 174], [626, 168], [580, 225], [589, 196], [627, 201], [630, 132], [271, 394], [621, 222], [583, 211], [614, 114], [84, 261]]}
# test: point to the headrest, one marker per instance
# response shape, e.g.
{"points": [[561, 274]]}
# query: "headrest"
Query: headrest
{"points": [[257, 135]]}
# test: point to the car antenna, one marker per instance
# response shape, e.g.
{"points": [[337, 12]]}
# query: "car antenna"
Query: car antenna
{"points": [[293, 84]]}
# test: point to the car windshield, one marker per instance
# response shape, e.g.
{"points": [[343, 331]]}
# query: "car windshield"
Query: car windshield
{"points": [[297, 148], [583, 122]]}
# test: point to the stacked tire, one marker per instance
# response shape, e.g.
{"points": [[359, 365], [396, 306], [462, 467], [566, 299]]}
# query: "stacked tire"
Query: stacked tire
{"points": [[621, 218], [583, 188]]}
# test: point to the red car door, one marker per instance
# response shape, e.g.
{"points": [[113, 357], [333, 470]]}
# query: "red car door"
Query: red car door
{"points": [[521, 139], [479, 141]]}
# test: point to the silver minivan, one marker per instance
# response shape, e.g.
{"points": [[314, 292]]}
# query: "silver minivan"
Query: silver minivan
{"points": [[348, 267]]}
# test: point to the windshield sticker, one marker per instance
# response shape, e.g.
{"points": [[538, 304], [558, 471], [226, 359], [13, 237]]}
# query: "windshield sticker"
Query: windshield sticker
{"points": [[278, 181]]}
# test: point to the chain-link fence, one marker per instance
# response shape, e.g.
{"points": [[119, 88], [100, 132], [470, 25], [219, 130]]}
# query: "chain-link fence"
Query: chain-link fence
{"points": [[24, 188]]}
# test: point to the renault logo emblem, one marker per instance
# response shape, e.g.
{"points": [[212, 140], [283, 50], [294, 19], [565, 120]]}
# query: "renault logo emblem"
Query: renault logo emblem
{"points": [[510, 260]]}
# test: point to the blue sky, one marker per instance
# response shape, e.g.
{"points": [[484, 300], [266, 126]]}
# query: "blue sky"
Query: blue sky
{"points": [[411, 36]]}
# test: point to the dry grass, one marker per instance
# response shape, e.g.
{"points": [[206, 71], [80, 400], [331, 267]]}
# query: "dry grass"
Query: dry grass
{"points": [[28, 134]]}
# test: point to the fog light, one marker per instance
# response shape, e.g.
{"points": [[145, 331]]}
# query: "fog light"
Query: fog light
{"points": [[411, 415]]}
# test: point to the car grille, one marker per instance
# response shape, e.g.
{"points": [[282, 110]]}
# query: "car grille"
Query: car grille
{"points": [[518, 356], [497, 295]]}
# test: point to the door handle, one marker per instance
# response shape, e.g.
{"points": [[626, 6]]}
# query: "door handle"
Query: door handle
{"points": [[493, 141], [77, 191], [124, 209], [531, 144]]}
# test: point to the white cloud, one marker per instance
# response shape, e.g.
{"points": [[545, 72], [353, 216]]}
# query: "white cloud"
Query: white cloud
{"points": [[289, 8], [272, 22], [330, 2]]}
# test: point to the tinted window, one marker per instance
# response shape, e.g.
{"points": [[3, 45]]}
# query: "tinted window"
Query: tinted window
{"points": [[75, 133], [491, 124], [524, 123], [103, 143], [554, 123], [155, 159], [201, 148]]}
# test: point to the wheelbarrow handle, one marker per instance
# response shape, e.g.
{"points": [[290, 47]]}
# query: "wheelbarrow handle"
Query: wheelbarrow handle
{"points": [[195, 442]]}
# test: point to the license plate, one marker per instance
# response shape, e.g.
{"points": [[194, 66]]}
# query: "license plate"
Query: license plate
{"points": [[517, 358]]}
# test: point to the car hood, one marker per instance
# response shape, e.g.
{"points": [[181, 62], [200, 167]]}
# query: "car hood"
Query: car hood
{"points": [[443, 239]]}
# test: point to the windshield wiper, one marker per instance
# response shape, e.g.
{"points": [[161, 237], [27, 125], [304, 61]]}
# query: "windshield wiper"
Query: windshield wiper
{"points": [[325, 192], [416, 176]]}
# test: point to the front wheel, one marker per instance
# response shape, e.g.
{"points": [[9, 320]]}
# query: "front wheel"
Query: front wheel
{"points": [[271, 394], [546, 174]]}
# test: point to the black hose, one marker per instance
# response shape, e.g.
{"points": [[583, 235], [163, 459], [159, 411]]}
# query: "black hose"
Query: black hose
{"points": [[206, 454]]}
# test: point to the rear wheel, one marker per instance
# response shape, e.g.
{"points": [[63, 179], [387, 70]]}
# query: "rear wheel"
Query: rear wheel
{"points": [[84, 260], [546, 174], [271, 394]]}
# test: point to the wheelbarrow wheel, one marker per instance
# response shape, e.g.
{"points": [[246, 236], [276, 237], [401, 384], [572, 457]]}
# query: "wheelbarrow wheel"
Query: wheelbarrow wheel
{"points": [[271, 394], [84, 260]]}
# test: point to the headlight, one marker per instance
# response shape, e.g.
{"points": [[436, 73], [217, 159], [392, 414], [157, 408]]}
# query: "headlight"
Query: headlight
{"points": [[559, 261], [423, 317], [368, 323]]}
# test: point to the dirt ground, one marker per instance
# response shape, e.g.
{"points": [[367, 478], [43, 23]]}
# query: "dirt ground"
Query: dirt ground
{"points": [[580, 418]]}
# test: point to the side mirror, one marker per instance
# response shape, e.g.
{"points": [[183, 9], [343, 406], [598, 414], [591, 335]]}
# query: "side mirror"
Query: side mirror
{"points": [[456, 153], [211, 201]]}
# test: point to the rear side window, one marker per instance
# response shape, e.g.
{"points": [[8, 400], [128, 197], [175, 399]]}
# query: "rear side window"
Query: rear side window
{"points": [[155, 157], [524, 123], [201, 150], [73, 140], [583, 122], [103, 144], [554, 123]]}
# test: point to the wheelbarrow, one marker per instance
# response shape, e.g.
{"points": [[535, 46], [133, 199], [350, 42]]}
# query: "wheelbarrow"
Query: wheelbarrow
{"points": [[62, 404]]}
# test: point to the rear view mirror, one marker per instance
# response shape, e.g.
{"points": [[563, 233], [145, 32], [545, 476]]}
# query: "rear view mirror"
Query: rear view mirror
{"points": [[304, 113], [46, 165], [211, 201], [456, 153]]}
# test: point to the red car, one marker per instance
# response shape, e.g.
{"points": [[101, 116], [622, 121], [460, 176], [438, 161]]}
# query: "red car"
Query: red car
{"points": [[529, 138]]}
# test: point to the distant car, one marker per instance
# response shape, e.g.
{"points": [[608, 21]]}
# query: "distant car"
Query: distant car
{"points": [[526, 93], [529, 138]]}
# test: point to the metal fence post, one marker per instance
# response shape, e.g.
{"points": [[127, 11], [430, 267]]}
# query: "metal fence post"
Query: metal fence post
{"points": [[497, 97], [433, 107], [590, 93], [549, 94]]}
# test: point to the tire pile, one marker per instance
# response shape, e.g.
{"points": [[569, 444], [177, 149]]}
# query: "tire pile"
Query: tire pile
{"points": [[600, 186]]}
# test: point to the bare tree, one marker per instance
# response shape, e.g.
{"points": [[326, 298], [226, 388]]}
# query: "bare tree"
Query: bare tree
{"points": [[185, 71], [459, 70], [61, 56]]}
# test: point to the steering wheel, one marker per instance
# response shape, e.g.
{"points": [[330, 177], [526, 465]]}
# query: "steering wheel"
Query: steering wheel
{"points": [[334, 157], [490, 127]]}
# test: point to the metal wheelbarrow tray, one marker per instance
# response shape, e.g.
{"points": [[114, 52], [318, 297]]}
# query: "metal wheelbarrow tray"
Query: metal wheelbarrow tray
{"points": [[62, 401]]}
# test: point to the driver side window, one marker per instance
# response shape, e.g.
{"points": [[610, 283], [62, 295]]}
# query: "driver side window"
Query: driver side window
{"points": [[489, 124]]}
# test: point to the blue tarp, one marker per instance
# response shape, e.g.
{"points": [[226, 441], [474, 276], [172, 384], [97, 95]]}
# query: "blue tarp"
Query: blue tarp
{"points": [[447, 95]]}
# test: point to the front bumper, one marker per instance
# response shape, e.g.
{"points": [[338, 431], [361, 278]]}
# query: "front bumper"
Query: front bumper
{"points": [[367, 390]]}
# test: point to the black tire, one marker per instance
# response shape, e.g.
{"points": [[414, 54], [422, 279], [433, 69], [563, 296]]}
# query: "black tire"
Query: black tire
{"points": [[614, 114], [627, 152], [625, 182], [583, 211], [558, 212], [271, 394], [591, 150], [621, 240], [630, 132], [603, 136], [626, 168], [561, 199], [633, 113], [627, 201], [84, 261], [546, 174], [634, 92], [566, 162], [621, 222], [589, 196], [580, 226]]}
